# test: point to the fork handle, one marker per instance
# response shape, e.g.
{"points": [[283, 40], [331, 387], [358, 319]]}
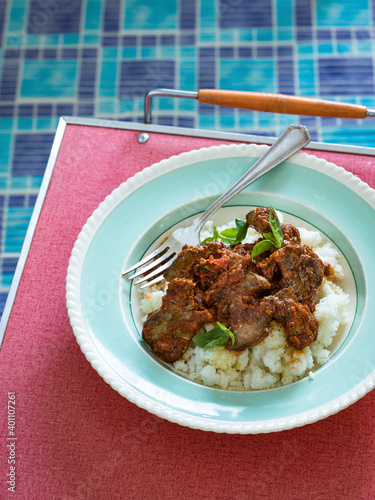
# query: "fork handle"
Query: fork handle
{"points": [[281, 103], [292, 140]]}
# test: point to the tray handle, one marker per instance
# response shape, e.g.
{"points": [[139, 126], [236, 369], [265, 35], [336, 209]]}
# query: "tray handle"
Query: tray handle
{"points": [[258, 101]]}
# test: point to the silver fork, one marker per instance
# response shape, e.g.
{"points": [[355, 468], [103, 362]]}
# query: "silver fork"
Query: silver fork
{"points": [[292, 140]]}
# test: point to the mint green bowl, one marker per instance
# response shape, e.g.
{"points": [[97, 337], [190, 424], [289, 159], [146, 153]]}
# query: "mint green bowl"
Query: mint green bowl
{"points": [[138, 212]]}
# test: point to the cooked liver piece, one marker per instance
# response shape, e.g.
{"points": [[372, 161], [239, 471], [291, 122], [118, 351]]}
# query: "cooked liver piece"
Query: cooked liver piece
{"points": [[299, 268], [169, 329], [300, 325], [259, 220]]}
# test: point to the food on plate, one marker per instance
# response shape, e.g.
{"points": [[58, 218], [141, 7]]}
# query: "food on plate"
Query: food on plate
{"points": [[254, 306]]}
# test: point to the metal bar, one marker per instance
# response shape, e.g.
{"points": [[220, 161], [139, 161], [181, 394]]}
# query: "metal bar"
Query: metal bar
{"points": [[212, 96], [164, 93], [214, 134]]}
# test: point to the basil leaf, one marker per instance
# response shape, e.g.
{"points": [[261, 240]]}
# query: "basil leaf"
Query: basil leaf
{"points": [[215, 236], [241, 231], [226, 240], [206, 240], [229, 233], [260, 247], [274, 239], [271, 238], [276, 227], [231, 236], [228, 332], [216, 336]]}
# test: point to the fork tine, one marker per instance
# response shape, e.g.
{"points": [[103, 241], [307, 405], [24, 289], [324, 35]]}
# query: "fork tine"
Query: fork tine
{"points": [[151, 266], [153, 282], [144, 261], [157, 271]]}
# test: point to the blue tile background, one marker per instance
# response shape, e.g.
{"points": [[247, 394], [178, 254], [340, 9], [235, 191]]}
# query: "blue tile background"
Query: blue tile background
{"points": [[97, 58]]}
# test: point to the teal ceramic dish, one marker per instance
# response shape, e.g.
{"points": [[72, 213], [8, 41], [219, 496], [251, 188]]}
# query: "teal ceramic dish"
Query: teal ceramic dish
{"points": [[103, 310]]}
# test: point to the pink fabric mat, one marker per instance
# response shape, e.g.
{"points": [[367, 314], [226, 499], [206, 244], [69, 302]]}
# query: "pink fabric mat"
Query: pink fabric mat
{"points": [[79, 439]]}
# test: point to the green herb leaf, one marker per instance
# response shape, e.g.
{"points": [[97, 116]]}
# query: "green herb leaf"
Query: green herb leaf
{"points": [[216, 336], [276, 226], [271, 238], [241, 231], [228, 332], [226, 240], [206, 240], [231, 232], [228, 236], [274, 239], [213, 337], [215, 236], [231, 236], [260, 247]]}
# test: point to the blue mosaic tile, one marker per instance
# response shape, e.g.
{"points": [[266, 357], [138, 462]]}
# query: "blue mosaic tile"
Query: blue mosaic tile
{"points": [[55, 78], [207, 14], [363, 34], [31, 54], [110, 41], [266, 52], [6, 124], [343, 14], [5, 149], [94, 9], [111, 20], [187, 39], [64, 109], [324, 35], [340, 76], [249, 74], [137, 77], [44, 110], [304, 35], [303, 13], [8, 268], [187, 15], [87, 79], [31, 152], [25, 110], [343, 34], [69, 53], [150, 15], [3, 298], [131, 41], [285, 13], [264, 35], [285, 77], [255, 14], [9, 80], [49, 54], [108, 79], [6, 111], [228, 52], [3, 10], [58, 16], [285, 51], [86, 109]]}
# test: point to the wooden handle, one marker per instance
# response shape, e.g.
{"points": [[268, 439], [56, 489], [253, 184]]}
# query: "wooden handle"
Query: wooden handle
{"points": [[279, 103]]}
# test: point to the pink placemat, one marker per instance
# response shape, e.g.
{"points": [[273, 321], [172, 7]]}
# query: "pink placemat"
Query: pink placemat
{"points": [[76, 438]]}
